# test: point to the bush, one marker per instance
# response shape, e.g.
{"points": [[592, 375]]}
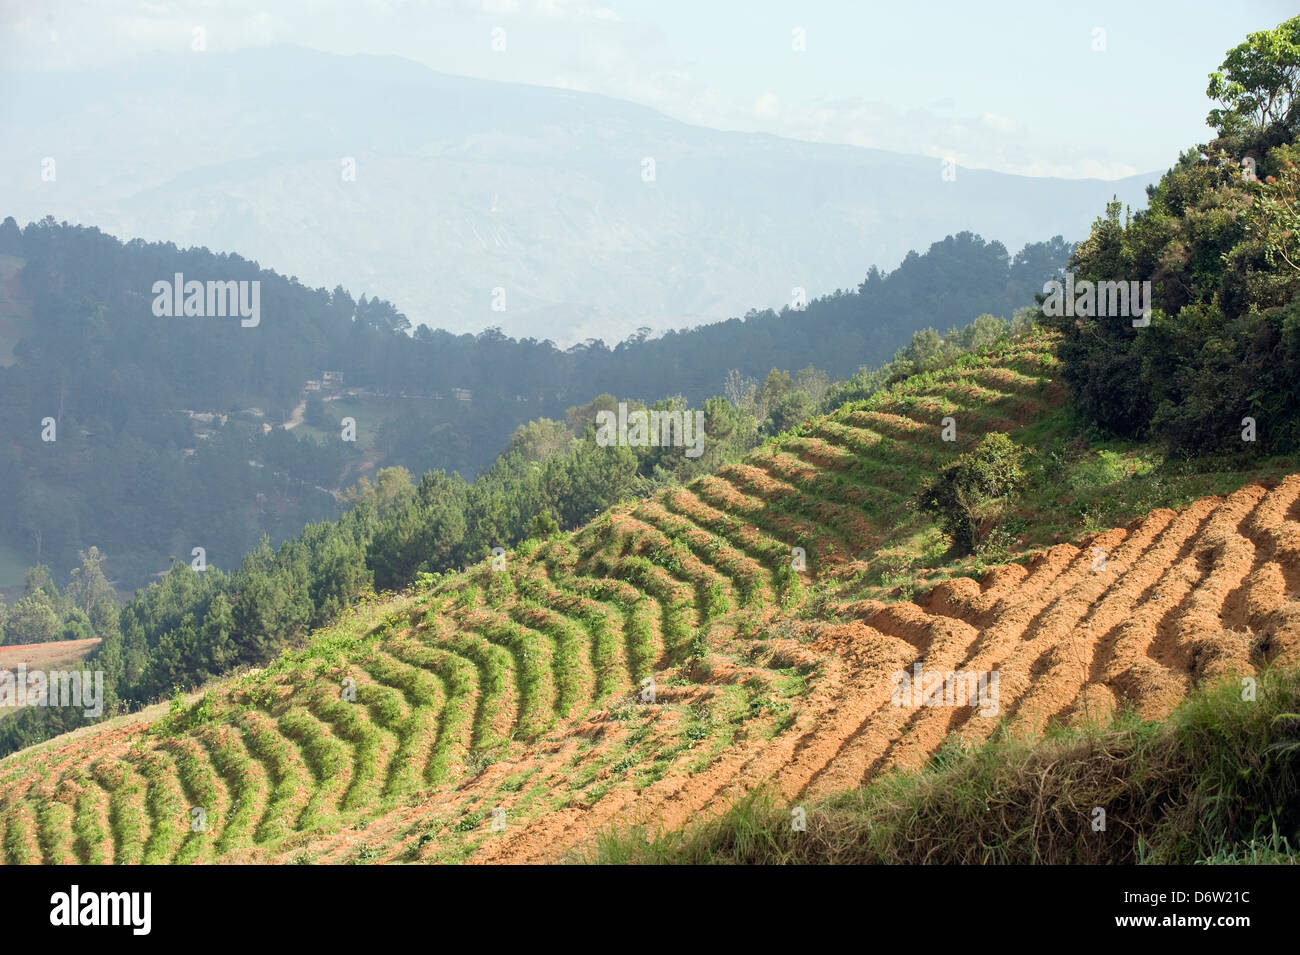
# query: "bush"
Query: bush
{"points": [[314, 414], [969, 494], [545, 526]]}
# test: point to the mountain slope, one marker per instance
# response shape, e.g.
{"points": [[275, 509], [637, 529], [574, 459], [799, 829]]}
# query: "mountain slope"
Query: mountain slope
{"points": [[516, 697], [464, 186], [154, 414]]}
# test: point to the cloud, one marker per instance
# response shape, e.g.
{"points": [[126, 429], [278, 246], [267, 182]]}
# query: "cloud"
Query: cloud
{"points": [[575, 11], [766, 105], [1001, 124]]}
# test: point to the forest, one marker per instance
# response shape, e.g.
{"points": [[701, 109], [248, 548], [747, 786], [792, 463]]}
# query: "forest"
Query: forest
{"points": [[1217, 371], [168, 432]]}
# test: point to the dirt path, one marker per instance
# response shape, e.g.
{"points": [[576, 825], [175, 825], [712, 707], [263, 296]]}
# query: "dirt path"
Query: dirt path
{"points": [[295, 419]]}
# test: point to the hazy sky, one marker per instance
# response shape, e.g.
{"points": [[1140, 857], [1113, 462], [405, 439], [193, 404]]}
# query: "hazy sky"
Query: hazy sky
{"points": [[1007, 85]]}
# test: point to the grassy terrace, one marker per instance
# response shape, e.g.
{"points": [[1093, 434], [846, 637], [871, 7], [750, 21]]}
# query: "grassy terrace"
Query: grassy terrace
{"points": [[665, 660]]}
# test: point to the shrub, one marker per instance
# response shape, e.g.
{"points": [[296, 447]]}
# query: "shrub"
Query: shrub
{"points": [[544, 526], [969, 494]]}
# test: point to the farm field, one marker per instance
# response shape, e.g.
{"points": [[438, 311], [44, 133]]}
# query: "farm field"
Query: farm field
{"points": [[680, 652], [54, 654]]}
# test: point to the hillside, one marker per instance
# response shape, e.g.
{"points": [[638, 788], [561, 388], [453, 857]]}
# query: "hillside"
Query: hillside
{"points": [[515, 697], [173, 433]]}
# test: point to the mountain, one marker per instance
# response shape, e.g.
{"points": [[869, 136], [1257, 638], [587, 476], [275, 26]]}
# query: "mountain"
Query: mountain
{"points": [[464, 186]]}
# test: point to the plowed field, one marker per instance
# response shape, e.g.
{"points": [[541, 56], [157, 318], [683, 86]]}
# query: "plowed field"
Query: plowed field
{"points": [[645, 669]]}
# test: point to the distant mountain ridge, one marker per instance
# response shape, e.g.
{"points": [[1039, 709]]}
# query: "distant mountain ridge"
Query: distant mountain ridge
{"points": [[464, 187]]}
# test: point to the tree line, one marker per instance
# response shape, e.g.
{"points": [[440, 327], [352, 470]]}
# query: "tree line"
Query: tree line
{"points": [[168, 429], [190, 626], [1217, 370]]}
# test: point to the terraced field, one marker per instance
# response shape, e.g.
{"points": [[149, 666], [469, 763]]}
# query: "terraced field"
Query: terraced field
{"points": [[647, 669]]}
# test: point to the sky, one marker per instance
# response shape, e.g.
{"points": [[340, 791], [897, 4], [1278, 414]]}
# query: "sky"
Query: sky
{"points": [[1042, 89]]}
